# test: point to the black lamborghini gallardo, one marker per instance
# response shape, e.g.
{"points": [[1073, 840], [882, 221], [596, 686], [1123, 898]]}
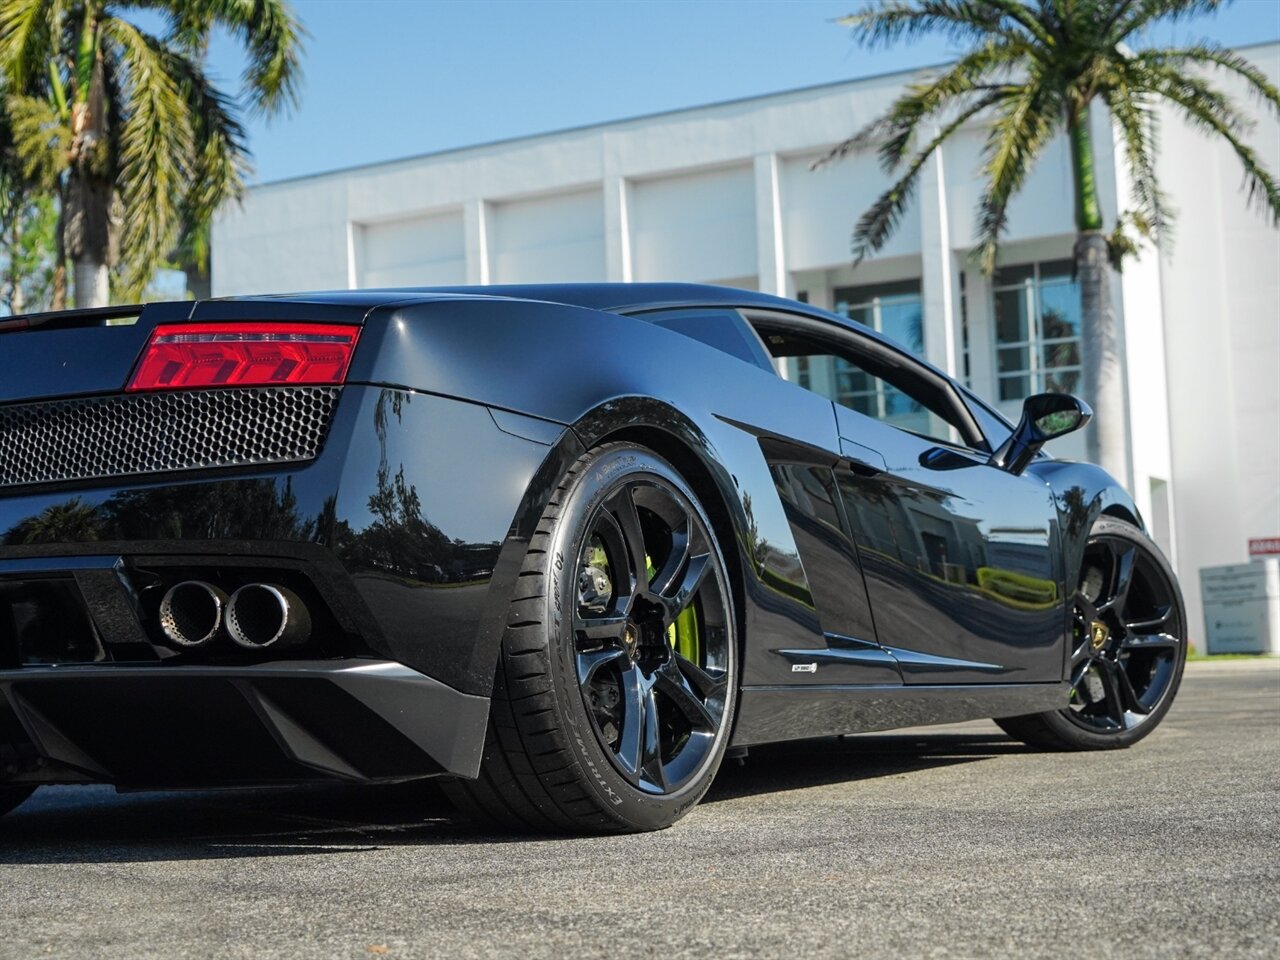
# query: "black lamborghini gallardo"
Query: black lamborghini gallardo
{"points": [[561, 546]]}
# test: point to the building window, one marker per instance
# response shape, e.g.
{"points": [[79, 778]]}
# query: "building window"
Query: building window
{"points": [[1037, 314], [802, 372], [894, 310], [889, 308]]}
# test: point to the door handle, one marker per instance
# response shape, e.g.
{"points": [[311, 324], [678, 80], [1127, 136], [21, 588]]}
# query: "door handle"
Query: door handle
{"points": [[861, 460]]}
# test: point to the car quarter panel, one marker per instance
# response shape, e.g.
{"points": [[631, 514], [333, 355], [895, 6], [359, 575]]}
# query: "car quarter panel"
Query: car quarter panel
{"points": [[605, 375]]}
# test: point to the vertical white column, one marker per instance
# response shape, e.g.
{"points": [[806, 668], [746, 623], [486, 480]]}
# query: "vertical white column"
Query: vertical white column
{"points": [[939, 279], [475, 221], [771, 261], [353, 272], [982, 334], [617, 213], [617, 229]]}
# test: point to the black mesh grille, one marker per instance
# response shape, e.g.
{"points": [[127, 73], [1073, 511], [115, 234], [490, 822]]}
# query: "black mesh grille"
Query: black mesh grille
{"points": [[137, 433]]}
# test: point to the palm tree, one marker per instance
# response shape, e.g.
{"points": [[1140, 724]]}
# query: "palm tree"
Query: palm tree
{"points": [[25, 228], [125, 126], [1033, 70]]}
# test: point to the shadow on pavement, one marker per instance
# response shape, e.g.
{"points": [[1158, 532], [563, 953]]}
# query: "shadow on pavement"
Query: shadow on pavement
{"points": [[814, 763], [96, 825]]}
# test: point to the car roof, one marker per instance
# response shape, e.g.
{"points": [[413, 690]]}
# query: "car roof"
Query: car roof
{"points": [[609, 297], [614, 297]]}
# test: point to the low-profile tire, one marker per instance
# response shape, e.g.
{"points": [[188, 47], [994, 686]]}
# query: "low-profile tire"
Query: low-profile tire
{"points": [[617, 677], [1128, 647], [13, 797]]}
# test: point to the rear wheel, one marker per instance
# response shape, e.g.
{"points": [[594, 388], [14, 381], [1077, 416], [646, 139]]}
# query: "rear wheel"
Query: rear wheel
{"points": [[13, 797], [617, 677], [1129, 647]]}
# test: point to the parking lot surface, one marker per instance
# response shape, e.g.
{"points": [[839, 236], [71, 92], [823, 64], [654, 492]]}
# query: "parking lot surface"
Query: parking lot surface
{"points": [[938, 842]]}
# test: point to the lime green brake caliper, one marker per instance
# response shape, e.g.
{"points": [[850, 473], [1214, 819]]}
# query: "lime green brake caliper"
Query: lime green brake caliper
{"points": [[683, 634]]}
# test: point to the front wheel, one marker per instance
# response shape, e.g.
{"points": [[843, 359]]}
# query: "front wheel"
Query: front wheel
{"points": [[1129, 647], [618, 673]]}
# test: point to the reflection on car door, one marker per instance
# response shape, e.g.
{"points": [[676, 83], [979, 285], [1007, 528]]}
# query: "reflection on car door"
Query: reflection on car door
{"points": [[961, 559]]}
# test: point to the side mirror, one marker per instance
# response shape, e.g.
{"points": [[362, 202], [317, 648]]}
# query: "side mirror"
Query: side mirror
{"points": [[1044, 416]]}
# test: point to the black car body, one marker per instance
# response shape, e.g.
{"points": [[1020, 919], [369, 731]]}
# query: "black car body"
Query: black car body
{"points": [[879, 577]]}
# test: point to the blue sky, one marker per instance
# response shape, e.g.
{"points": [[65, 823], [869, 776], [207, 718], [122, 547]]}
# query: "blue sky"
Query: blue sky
{"points": [[393, 78]]}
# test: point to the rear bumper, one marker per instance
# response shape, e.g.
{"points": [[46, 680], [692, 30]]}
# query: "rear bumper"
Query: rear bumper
{"points": [[403, 539], [406, 531], [176, 726]]}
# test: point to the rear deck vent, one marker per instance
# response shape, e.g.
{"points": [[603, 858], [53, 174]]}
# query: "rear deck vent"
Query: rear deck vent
{"points": [[98, 437]]}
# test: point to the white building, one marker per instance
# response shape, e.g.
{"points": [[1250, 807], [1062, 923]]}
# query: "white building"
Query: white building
{"points": [[726, 193]]}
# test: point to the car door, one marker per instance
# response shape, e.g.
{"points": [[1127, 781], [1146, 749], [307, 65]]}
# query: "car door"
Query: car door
{"points": [[960, 559], [807, 558]]}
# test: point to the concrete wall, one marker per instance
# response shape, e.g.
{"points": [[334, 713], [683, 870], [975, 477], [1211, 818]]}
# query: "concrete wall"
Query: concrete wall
{"points": [[1221, 294], [723, 192], [560, 236]]}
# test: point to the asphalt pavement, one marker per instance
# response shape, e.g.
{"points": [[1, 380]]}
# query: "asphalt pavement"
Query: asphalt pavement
{"points": [[938, 842]]}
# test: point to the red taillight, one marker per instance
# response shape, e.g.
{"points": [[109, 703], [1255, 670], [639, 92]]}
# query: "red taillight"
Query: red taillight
{"points": [[183, 356]]}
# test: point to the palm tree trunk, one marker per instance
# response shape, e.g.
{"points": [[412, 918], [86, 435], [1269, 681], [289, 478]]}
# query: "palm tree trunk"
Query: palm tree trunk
{"points": [[87, 223], [17, 300], [1102, 367], [58, 291], [92, 286], [1101, 363]]}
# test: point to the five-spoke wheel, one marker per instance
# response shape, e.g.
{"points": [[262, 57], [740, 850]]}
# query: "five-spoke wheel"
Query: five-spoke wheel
{"points": [[1128, 636], [651, 638], [1128, 646], [618, 674]]}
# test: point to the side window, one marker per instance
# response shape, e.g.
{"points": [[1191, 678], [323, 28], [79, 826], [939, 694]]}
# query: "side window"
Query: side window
{"points": [[994, 426], [883, 388], [723, 329]]}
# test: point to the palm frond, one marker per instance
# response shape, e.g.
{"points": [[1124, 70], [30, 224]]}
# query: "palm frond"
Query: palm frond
{"points": [[156, 149], [221, 159], [273, 38], [1018, 136], [41, 140], [1167, 81], [1203, 108], [973, 74], [29, 38], [269, 30], [884, 23], [1216, 57], [1143, 12], [1139, 133], [1118, 12], [883, 216], [1016, 11]]}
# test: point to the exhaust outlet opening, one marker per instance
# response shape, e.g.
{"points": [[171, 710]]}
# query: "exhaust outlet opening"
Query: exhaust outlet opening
{"points": [[262, 615], [191, 613]]}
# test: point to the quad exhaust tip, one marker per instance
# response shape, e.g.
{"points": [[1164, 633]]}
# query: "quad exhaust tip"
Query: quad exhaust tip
{"points": [[191, 613], [262, 615]]}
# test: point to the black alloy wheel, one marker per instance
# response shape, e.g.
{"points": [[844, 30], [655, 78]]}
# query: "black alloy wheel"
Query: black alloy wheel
{"points": [[1128, 637], [617, 678], [1128, 646], [651, 634]]}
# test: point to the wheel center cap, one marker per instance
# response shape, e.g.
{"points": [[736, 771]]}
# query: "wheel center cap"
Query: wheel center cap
{"points": [[1099, 634]]}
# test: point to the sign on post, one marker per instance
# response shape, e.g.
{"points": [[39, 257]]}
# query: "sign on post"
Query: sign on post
{"points": [[1264, 547]]}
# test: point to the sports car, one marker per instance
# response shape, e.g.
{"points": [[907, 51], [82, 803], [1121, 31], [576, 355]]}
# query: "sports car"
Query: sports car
{"points": [[564, 547]]}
